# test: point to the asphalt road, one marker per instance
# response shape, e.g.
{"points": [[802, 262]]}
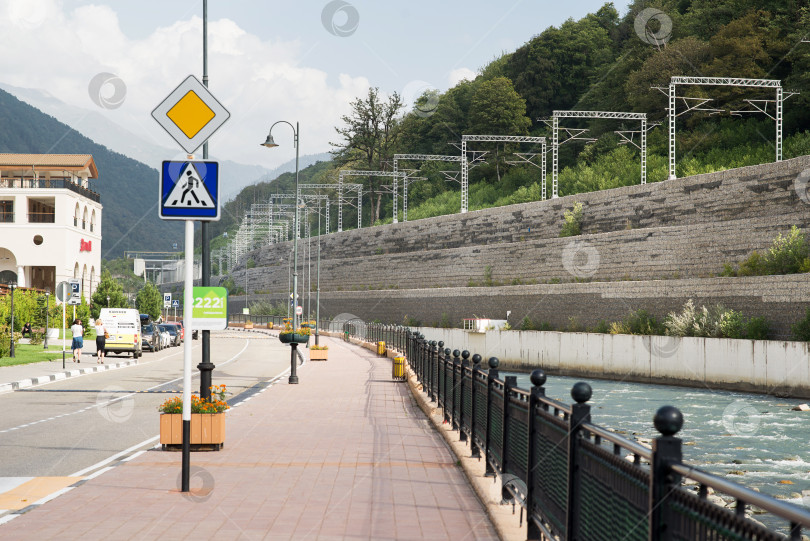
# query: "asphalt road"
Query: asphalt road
{"points": [[70, 426]]}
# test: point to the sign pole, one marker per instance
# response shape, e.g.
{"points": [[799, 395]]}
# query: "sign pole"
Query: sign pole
{"points": [[188, 300], [64, 331]]}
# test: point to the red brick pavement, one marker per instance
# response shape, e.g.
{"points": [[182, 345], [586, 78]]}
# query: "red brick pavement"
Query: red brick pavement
{"points": [[346, 454]]}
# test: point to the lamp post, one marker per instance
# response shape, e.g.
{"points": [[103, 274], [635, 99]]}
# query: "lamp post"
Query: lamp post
{"points": [[47, 310], [318, 279], [270, 143], [12, 285]]}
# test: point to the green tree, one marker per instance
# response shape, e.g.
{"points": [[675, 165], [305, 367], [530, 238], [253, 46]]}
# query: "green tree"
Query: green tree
{"points": [[108, 287], [496, 109], [369, 136], [149, 300]]}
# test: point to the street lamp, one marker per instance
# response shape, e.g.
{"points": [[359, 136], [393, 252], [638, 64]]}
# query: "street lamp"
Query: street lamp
{"points": [[270, 143], [318, 279], [12, 285]]}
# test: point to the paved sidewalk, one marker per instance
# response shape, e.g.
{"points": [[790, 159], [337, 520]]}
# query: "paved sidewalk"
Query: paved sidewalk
{"points": [[346, 454]]}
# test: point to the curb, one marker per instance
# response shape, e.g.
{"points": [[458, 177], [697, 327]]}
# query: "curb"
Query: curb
{"points": [[30, 382]]}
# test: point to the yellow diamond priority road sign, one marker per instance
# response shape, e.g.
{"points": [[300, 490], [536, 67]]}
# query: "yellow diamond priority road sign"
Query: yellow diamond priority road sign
{"points": [[191, 114]]}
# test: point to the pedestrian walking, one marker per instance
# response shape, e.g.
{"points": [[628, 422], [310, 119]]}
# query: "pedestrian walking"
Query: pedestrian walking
{"points": [[78, 340], [101, 341]]}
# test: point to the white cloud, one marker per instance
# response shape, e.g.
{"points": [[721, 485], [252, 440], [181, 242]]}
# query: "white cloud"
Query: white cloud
{"points": [[48, 47], [458, 75]]}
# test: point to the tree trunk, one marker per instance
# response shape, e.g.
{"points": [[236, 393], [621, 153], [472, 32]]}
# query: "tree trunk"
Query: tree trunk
{"points": [[379, 204], [373, 207]]}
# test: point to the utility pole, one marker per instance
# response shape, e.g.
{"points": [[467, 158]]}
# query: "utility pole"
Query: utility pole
{"points": [[206, 366]]}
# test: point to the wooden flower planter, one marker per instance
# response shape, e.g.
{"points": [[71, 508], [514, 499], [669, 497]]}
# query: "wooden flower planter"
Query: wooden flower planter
{"points": [[206, 429], [318, 354], [248, 325]]}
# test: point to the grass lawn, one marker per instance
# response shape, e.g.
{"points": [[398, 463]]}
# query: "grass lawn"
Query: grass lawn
{"points": [[26, 353]]}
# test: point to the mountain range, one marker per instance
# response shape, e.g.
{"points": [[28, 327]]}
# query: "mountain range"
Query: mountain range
{"points": [[38, 123]]}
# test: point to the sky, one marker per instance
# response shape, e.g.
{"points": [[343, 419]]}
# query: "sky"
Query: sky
{"points": [[268, 60]]}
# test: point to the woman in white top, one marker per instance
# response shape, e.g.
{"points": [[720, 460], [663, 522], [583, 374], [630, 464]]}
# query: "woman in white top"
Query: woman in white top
{"points": [[101, 341], [78, 340]]}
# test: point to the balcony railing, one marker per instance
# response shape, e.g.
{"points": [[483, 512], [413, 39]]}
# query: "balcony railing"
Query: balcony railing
{"points": [[49, 184], [41, 218]]}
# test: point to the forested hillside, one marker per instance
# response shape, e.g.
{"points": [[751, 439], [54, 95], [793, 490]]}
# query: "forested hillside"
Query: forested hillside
{"points": [[127, 187], [605, 61]]}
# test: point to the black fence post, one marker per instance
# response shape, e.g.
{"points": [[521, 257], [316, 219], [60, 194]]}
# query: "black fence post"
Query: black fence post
{"points": [[448, 388], [475, 450], [417, 351], [580, 413], [538, 379], [465, 363], [491, 377], [666, 451], [508, 384], [457, 389], [433, 354]]}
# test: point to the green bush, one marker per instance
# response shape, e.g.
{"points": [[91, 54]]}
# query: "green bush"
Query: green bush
{"points": [[488, 276], [788, 254], [602, 327], [5, 340], [801, 329], [544, 326], [36, 338], [757, 328], [715, 322], [635, 322], [732, 324], [526, 324], [572, 221]]}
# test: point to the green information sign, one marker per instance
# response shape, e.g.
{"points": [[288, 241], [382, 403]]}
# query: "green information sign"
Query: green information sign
{"points": [[210, 308]]}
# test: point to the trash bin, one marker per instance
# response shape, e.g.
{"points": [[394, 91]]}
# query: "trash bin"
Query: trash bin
{"points": [[380, 348], [399, 368], [346, 336]]}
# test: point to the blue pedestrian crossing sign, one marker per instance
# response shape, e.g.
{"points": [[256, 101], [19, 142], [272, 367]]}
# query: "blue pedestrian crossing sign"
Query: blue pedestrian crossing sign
{"points": [[175, 303], [189, 190]]}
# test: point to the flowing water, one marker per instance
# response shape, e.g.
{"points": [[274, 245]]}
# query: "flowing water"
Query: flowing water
{"points": [[751, 439]]}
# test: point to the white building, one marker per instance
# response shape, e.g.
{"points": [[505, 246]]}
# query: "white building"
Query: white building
{"points": [[50, 220]]}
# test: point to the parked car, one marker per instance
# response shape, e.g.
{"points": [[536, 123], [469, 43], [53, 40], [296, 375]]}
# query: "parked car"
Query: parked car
{"points": [[151, 339], [165, 337], [182, 329], [174, 333]]}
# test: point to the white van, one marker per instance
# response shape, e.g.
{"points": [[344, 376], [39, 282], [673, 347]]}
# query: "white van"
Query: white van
{"points": [[124, 327]]}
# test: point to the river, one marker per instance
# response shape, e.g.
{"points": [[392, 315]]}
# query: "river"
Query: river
{"points": [[752, 439]]}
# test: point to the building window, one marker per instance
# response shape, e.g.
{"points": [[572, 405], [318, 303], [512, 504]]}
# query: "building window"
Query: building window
{"points": [[41, 211], [7, 211]]}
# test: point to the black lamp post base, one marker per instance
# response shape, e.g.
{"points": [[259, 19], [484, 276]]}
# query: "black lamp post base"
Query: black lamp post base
{"points": [[293, 380]]}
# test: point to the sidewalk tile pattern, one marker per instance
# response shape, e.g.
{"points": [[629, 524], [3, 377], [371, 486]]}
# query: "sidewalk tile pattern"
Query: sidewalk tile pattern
{"points": [[345, 454]]}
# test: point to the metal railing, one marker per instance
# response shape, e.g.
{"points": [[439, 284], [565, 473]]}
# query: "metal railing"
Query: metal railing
{"points": [[41, 218], [572, 478], [49, 184]]}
